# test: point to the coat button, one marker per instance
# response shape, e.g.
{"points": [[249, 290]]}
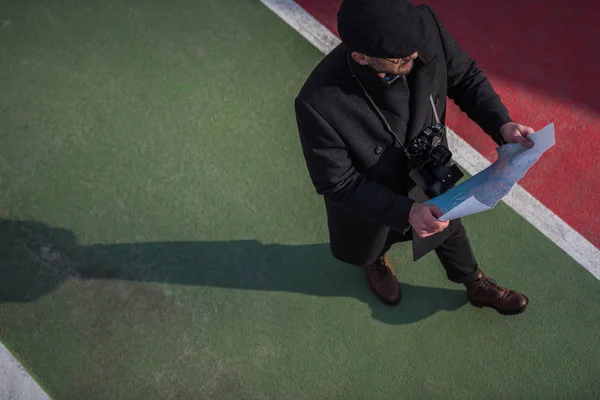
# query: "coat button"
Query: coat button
{"points": [[437, 98], [378, 149]]}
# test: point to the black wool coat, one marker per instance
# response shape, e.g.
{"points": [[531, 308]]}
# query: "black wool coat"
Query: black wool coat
{"points": [[357, 165]]}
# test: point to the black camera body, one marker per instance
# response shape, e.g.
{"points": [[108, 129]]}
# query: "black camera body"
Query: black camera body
{"points": [[429, 162]]}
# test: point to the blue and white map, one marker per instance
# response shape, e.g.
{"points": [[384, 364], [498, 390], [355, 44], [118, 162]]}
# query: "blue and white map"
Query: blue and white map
{"points": [[484, 190]]}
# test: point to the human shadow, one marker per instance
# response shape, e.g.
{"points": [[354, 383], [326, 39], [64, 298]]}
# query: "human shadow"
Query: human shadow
{"points": [[36, 258]]}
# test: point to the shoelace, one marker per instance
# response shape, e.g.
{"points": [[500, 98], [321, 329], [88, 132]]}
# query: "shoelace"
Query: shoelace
{"points": [[489, 285], [382, 267]]}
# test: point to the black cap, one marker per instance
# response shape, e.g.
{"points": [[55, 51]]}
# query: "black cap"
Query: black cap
{"points": [[381, 28]]}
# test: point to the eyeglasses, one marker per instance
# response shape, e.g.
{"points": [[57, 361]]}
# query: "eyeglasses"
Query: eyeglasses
{"points": [[408, 58], [394, 62]]}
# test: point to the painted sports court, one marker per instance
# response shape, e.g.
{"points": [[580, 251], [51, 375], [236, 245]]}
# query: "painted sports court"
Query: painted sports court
{"points": [[160, 237]]}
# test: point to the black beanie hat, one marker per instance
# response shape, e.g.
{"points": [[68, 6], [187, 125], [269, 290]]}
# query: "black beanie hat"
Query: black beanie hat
{"points": [[381, 28]]}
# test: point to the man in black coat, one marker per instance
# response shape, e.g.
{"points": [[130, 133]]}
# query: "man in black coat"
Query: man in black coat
{"points": [[356, 112]]}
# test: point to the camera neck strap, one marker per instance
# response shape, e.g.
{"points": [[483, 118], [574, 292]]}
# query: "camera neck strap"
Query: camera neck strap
{"points": [[378, 111]]}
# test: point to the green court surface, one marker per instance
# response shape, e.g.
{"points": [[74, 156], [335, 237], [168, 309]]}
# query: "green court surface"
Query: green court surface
{"points": [[160, 238]]}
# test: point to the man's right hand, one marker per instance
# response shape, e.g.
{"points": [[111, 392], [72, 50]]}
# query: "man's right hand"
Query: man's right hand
{"points": [[424, 219]]}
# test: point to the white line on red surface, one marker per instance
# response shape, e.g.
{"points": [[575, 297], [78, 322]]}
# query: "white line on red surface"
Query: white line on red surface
{"points": [[527, 206]]}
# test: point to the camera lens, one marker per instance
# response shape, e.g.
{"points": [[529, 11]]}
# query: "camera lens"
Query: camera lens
{"points": [[440, 155]]}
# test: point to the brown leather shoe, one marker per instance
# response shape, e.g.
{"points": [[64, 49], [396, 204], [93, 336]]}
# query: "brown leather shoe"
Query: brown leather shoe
{"points": [[382, 280], [484, 292]]}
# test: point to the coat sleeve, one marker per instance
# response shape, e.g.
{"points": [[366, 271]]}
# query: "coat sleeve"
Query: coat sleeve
{"points": [[470, 89], [334, 176]]}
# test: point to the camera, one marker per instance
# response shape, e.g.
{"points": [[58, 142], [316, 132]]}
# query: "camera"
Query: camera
{"points": [[429, 162]]}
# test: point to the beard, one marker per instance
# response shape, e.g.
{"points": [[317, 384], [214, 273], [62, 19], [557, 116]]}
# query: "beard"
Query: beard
{"points": [[406, 69], [400, 70]]}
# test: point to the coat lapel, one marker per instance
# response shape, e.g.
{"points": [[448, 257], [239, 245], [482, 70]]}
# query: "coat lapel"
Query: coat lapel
{"points": [[420, 83], [421, 115]]}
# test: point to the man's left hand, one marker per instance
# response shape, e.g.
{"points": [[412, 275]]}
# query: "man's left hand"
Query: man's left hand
{"points": [[516, 133]]}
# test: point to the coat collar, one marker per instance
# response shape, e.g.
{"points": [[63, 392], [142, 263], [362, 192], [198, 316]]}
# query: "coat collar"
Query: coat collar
{"points": [[419, 81]]}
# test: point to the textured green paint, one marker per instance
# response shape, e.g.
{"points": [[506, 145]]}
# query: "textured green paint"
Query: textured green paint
{"points": [[172, 247]]}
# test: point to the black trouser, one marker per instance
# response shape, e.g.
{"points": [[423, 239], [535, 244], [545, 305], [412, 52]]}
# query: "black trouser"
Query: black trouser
{"points": [[454, 253]]}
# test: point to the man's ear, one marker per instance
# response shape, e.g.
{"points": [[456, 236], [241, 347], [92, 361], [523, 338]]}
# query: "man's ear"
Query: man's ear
{"points": [[360, 58]]}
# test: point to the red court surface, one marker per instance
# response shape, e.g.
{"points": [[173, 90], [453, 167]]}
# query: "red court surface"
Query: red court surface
{"points": [[543, 59]]}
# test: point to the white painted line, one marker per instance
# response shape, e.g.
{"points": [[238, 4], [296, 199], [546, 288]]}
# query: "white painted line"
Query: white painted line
{"points": [[15, 382], [304, 23], [550, 224], [532, 210]]}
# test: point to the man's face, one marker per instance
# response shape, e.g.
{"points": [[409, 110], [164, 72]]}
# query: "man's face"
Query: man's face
{"points": [[388, 66]]}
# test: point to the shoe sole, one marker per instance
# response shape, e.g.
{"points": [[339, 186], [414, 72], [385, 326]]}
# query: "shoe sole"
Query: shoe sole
{"points": [[512, 312]]}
